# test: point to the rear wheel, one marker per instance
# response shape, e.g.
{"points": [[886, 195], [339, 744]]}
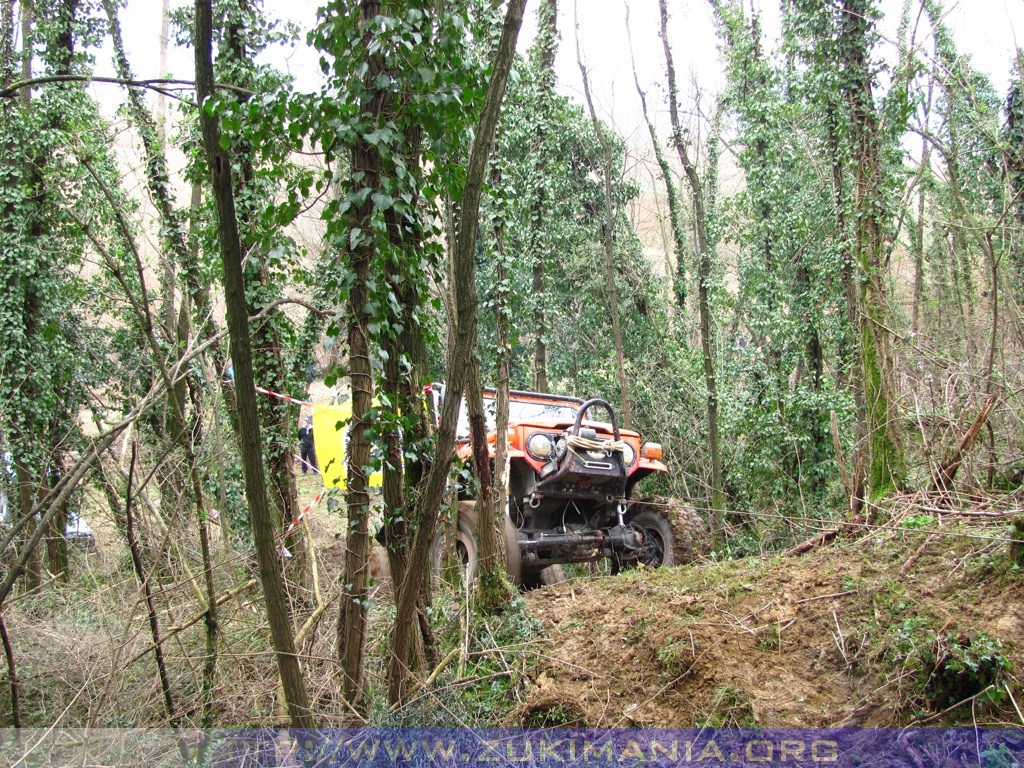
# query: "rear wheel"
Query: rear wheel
{"points": [[513, 555], [467, 551]]}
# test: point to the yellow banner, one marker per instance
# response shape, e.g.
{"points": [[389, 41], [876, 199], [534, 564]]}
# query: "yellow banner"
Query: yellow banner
{"points": [[330, 437]]}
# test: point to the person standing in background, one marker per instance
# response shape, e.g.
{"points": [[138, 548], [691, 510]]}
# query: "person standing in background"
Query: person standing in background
{"points": [[307, 450]]}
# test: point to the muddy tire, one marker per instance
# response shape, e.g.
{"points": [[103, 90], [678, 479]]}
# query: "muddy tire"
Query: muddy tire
{"points": [[513, 555], [674, 533], [466, 549]]}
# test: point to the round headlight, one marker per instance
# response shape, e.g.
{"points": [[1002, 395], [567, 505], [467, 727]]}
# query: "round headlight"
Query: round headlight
{"points": [[540, 446], [628, 454]]}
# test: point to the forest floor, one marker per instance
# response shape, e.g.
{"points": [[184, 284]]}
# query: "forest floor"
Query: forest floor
{"points": [[918, 620], [902, 626]]}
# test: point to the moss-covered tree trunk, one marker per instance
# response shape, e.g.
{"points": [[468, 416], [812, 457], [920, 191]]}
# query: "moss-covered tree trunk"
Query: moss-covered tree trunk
{"points": [[886, 465]]}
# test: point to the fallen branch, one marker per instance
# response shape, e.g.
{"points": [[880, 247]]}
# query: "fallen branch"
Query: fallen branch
{"points": [[944, 475], [916, 556], [959, 704], [813, 543], [826, 537]]}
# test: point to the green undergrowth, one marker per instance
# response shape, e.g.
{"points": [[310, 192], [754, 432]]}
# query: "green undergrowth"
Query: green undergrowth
{"points": [[483, 681], [930, 669]]}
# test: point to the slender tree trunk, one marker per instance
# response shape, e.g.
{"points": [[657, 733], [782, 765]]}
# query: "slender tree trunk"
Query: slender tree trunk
{"points": [[210, 622], [885, 462], [264, 531], [461, 341], [501, 457], [366, 158], [608, 230], [919, 224], [675, 210], [492, 587], [57, 561], [269, 369], [705, 255], [12, 673], [403, 385], [142, 576], [546, 47]]}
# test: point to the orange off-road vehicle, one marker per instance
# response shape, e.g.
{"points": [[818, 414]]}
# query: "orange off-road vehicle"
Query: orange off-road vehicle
{"points": [[573, 495]]}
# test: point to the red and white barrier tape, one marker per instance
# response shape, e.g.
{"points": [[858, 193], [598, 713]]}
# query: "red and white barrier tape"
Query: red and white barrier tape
{"points": [[308, 465], [279, 396], [304, 512]]}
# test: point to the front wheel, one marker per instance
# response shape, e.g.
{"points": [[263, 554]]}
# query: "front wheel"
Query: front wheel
{"points": [[674, 534]]}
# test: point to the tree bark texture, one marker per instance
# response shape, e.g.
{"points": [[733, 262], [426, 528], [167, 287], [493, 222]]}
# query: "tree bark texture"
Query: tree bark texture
{"points": [[546, 47], [885, 460], [704, 255], [366, 162], [264, 531]]}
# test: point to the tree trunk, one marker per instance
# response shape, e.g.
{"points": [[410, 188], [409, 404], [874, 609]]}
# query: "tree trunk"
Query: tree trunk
{"points": [[675, 210], [366, 161], [545, 49], [705, 255], [493, 590], [57, 562], [885, 460], [608, 230], [143, 577], [264, 531], [461, 342], [501, 458], [269, 369]]}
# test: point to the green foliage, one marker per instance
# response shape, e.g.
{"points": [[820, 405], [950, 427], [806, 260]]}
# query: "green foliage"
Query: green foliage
{"points": [[946, 667], [733, 709], [485, 690], [778, 392], [51, 349]]}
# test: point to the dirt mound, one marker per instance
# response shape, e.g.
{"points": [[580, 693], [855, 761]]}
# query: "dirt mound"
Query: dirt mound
{"points": [[895, 628]]}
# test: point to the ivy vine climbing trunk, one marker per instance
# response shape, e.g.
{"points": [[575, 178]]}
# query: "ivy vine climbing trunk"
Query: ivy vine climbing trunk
{"points": [[366, 178], [263, 528], [885, 462], [461, 342], [544, 50], [705, 255], [269, 368]]}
